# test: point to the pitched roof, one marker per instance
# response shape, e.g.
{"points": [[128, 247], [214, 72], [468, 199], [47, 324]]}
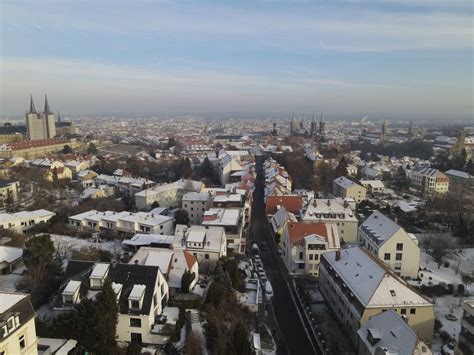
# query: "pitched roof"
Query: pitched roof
{"points": [[292, 204], [297, 231]]}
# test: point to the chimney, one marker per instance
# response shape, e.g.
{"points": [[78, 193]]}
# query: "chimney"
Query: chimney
{"points": [[329, 202], [315, 203], [346, 204], [136, 261], [338, 255]]}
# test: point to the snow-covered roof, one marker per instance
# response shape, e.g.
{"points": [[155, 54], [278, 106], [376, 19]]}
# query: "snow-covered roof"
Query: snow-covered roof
{"points": [[371, 282], [100, 270], [344, 182], [137, 292], [195, 196], [8, 300], [388, 331], [147, 239], [221, 216], [380, 227], [378, 184], [336, 209], [71, 287], [10, 254]]}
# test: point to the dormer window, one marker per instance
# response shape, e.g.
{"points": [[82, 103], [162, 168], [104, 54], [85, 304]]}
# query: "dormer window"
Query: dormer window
{"points": [[70, 294], [98, 275], [135, 299]]}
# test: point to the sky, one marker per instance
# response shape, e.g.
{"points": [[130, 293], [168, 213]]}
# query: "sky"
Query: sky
{"points": [[407, 59]]}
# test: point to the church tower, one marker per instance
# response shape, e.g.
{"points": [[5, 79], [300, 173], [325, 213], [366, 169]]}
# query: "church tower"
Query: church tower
{"points": [[302, 122], [313, 127], [383, 133], [293, 125], [40, 126], [322, 126], [49, 120]]}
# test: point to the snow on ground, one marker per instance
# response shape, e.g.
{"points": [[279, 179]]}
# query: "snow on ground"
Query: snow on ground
{"points": [[8, 282], [459, 262], [64, 242]]}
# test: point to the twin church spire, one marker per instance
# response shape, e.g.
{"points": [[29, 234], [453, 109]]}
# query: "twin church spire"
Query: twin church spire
{"points": [[47, 110]]}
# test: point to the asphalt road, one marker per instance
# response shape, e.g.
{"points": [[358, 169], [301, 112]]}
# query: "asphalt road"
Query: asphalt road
{"points": [[295, 338]]}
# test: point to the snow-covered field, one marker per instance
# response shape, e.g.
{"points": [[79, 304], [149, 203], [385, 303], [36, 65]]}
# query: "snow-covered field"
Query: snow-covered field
{"points": [[459, 262], [68, 244]]}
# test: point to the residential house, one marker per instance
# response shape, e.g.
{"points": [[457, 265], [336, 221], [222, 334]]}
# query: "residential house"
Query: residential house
{"points": [[123, 222], [357, 286], [279, 221], [388, 333], [429, 180], [142, 294], [303, 244], [346, 188], [373, 186], [231, 219], [10, 258], [17, 319], [338, 211], [388, 241], [9, 192], [293, 204], [195, 204], [124, 185], [167, 195], [204, 243], [227, 166], [21, 221], [173, 263]]}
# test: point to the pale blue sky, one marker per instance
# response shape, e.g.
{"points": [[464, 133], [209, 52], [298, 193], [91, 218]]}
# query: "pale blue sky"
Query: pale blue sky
{"points": [[405, 58]]}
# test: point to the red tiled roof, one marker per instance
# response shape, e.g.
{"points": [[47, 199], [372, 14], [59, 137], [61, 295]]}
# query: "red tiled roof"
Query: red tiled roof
{"points": [[292, 204], [190, 259], [298, 231], [36, 143]]}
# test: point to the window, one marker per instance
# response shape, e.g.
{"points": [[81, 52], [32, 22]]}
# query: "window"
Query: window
{"points": [[386, 256], [310, 256], [135, 304], [399, 246], [22, 342], [412, 310], [206, 256], [403, 311], [316, 256], [135, 322], [398, 256]]}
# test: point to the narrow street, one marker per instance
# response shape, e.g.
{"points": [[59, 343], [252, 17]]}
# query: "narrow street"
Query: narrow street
{"points": [[297, 336]]}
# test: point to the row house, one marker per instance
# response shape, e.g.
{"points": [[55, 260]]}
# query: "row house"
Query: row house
{"points": [[277, 179], [357, 286], [141, 290], [388, 241], [24, 220], [124, 222]]}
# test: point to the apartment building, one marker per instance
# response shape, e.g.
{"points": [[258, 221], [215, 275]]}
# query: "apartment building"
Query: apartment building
{"points": [[466, 336], [373, 186], [17, 318], [338, 211], [303, 244], [460, 180], [346, 188], [429, 180], [24, 220], [388, 241], [226, 166], [195, 204], [204, 243], [123, 222], [173, 264], [142, 294], [231, 219], [277, 180], [167, 195], [388, 333], [357, 286], [124, 185], [9, 192]]}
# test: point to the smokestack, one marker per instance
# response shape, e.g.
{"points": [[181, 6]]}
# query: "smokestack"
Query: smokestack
{"points": [[338, 255]]}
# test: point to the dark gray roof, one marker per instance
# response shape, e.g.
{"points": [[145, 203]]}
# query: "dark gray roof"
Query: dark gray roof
{"points": [[126, 274]]}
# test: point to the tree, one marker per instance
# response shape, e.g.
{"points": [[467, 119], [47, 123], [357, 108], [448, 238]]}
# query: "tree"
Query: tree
{"points": [[207, 169], [67, 149], [439, 251], [43, 268], [94, 322], [240, 340], [467, 278], [186, 281], [91, 149], [341, 169], [181, 217], [211, 331]]}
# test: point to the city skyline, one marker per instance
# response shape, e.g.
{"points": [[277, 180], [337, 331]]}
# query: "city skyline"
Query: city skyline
{"points": [[405, 60]]}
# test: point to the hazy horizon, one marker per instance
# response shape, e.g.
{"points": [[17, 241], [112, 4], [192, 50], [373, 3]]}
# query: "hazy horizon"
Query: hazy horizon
{"points": [[386, 59]]}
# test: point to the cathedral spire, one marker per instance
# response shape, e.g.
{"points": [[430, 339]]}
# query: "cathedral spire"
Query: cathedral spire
{"points": [[32, 105], [46, 105], [59, 117]]}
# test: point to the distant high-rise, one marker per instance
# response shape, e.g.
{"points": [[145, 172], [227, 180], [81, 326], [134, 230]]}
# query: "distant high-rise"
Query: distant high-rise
{"points": [[383, 133], [40, 125]]}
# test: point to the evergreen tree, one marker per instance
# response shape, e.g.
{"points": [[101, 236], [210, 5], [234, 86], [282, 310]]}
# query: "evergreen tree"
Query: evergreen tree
{"points": [[341, 169], [67, 149], [186, 281], [106, 326], [181, 217], [211, 331], [207, 169], [240, 341]]}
